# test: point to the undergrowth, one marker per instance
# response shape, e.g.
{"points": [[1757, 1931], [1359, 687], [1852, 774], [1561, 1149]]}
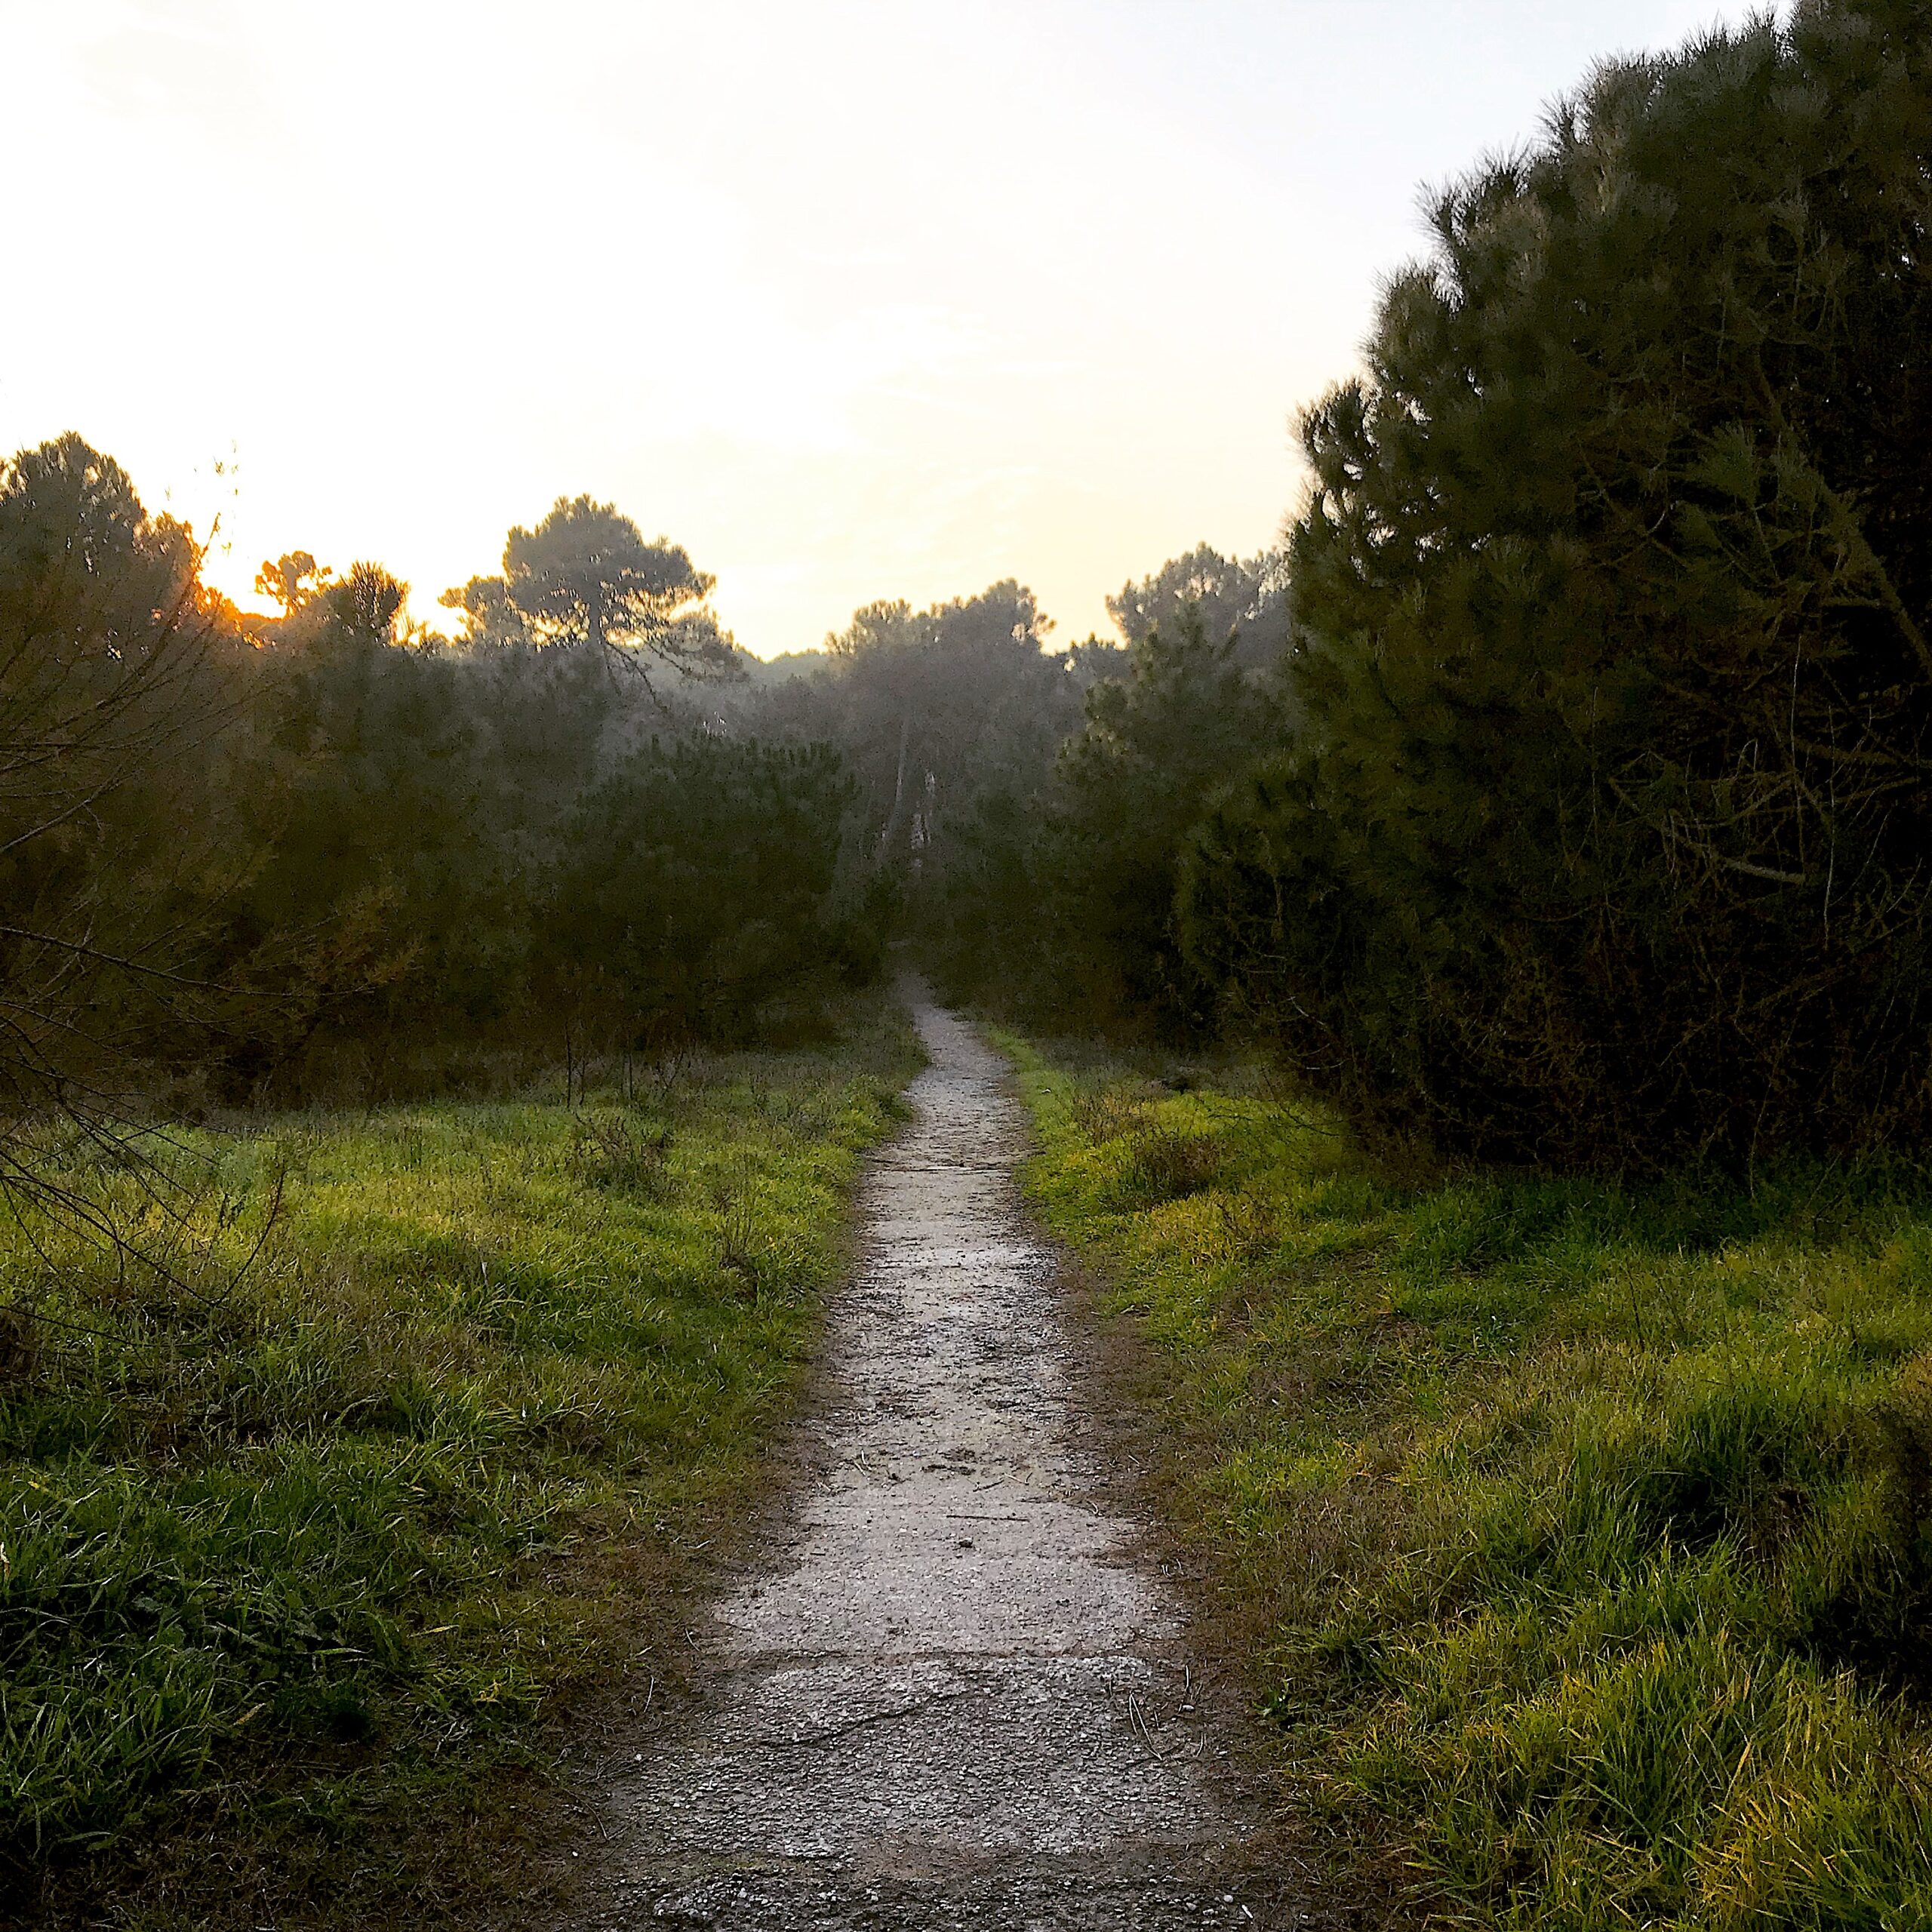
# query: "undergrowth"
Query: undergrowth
{"points": [[315, 1517], [1591, 1525]]}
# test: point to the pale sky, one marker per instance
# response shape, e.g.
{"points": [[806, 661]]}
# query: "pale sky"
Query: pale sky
{"points": [[853, 301]]}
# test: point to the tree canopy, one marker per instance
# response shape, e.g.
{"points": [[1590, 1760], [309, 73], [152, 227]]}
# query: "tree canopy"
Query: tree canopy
{"points": [[586, 578], [1562, 789]]}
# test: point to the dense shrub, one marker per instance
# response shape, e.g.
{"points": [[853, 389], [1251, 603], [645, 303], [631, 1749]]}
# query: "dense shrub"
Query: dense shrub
{"points": [[1606, 836], [1061, 905], [113, 662], [697, 881]]}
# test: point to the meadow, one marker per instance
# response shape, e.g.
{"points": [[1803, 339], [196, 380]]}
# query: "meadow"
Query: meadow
{"points": [[344, 1456], [1583, 1530]]}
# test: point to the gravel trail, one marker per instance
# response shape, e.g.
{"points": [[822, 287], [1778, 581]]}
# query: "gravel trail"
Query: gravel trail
{"points": [[957, 1698]]}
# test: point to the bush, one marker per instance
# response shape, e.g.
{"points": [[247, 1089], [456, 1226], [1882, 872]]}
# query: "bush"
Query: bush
{"points": [[1163, 1164], [613, 1149], [696, 884]]}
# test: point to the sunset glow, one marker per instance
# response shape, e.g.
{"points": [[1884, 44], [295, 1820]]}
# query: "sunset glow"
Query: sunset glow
{"points": [[853, 301]]}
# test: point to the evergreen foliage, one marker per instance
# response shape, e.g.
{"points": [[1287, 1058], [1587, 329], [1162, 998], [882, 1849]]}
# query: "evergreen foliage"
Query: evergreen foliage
{"points": [[935, 710], [1063, 903], [697, 884], [584, 576], [1128, 789], [1605, 836], [114, 669], [1243, 597]]}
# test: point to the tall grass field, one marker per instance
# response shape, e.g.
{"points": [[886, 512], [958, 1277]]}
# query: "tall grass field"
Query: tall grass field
{"points": [[1586, 1530], [365, 1445]]}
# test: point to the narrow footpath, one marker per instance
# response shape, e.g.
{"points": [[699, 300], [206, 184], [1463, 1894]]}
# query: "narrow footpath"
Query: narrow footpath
{"points": [[957, 1698]]}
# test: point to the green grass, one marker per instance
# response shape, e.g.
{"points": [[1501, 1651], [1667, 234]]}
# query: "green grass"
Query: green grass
{"points": [[301, 1551], [1587, 1530]]}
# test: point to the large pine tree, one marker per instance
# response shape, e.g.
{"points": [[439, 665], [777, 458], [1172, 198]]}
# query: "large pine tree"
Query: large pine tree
{"points": [[1610, 834]]}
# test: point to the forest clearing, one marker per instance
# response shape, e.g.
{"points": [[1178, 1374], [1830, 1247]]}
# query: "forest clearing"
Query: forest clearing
{"points": [[1271, 1266]]}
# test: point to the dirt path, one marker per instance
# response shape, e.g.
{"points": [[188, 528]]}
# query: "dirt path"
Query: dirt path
{"points": [[958, 1699]]}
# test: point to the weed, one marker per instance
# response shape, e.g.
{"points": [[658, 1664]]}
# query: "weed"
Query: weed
{"points": [[740, 1246], [614, 1148], [1162, 1163], [1108, 1113], [1149, 1160]]}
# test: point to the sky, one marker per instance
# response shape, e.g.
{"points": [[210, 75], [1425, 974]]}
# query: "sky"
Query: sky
{"points": [[855, 299]]}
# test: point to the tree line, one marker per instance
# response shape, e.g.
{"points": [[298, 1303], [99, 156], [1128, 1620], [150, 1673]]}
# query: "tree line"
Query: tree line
{"points": [[255, 849], [1560, 790]]}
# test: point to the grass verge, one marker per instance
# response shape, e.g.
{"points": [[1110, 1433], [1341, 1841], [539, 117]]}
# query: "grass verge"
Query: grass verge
{"points": [[315, 1520], [1589, 1527]]}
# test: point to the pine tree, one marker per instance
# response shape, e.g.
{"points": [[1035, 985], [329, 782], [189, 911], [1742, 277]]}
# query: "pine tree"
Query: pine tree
{"points": [[1606, 837]]}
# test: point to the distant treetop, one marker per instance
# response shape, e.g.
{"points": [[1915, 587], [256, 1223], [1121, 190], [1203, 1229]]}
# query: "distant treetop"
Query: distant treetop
{"points": [[586, 577]]}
